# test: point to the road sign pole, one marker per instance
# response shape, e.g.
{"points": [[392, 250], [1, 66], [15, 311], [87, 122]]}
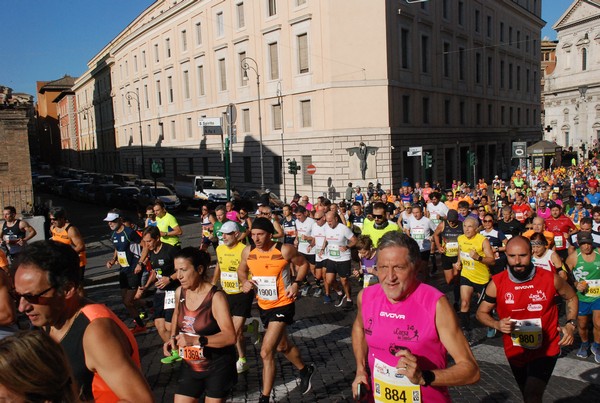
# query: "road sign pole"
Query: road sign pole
{"points": [[227, 169]]}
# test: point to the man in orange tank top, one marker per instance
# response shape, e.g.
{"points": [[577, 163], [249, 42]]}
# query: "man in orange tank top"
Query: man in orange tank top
{"points": [[268, 265], [102, 352], [64, 232]]}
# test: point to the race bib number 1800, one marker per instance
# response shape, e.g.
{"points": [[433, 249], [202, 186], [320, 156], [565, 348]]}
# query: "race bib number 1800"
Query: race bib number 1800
{"points": [[389, 386]]}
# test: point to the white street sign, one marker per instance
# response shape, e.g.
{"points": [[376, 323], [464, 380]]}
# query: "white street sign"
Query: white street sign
{"points": [[414, 152], [209, 122]]}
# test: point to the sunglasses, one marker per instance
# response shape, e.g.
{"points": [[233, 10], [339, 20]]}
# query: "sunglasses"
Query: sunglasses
{"points": [[488, 220], [52, 218], [33, 298], [378, 216], [319, 218]]}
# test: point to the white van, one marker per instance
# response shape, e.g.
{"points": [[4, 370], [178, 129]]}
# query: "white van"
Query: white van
{"points": [[197, 190]]}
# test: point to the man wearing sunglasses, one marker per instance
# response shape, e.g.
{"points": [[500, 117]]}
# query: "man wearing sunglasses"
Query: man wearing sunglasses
{"points": [[380, 224], [102, 352], [64, 232]]}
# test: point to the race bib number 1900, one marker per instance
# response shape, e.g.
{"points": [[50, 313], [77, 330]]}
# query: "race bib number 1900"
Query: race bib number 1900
{"points": [[267, 287], [389, 386]]}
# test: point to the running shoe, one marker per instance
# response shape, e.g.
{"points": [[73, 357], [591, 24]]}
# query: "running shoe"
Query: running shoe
{"points": [[263, 399], [318, 292], [139, 329], [242, 366], [327, 299], [174, 357], [143, 315], [305, 379], [583, 350], [341, 302], [348, 306], [305, 289], [491, 333], [596, 351]]}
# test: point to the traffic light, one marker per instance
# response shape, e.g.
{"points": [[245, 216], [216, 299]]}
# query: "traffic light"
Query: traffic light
{"points": [[428, 160], [472, 158], [293, 167]]}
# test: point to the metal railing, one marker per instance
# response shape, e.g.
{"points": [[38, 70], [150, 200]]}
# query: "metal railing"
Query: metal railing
{"points": [[21, 197]]}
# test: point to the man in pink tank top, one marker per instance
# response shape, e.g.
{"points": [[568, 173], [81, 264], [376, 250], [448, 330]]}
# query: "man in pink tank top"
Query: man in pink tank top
{"points": [[404, 330]]}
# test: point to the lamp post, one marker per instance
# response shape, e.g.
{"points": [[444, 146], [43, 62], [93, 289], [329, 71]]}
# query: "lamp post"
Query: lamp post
{"points": [[246, 67], [135, 96], [280, 103]]}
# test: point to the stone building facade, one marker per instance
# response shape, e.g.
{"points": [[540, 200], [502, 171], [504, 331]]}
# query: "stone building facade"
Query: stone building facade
{"points": [[451, 76], [572, 90]]}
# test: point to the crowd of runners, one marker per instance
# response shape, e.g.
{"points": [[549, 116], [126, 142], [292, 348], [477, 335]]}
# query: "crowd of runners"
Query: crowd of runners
{"points": [[516, 255]]}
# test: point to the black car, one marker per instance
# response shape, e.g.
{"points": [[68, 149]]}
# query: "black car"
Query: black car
{"points": [[250, 199], [124, 197]]}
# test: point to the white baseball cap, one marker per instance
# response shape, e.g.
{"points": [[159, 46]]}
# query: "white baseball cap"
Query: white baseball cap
{"points": [[111, 217], [229, 227]]}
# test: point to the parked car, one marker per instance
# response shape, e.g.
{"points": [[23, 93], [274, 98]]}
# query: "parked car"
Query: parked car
{"points": [[76, 192], [124, 179], [196, 190], [41, 183], [103, 192], [57, 186], [249, 200], [146, 182], [124, 197], [148, 195], [67, 186]]}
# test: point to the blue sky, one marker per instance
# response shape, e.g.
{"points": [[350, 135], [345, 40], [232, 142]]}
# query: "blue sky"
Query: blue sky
{"points": [[44, 40]]}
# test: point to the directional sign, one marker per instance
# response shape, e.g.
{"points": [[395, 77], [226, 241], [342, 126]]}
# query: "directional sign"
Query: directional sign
{"points": [[207, 130], [414, 152], [209, 122], [311, 169]]}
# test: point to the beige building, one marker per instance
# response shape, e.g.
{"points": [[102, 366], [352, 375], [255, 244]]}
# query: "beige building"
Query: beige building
{"points": [[450, 76], [572, 90]]}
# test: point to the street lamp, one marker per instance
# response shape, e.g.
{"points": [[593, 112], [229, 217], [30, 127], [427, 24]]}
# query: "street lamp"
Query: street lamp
{"points": [[245, 67], [135, 96], [280, 104]]}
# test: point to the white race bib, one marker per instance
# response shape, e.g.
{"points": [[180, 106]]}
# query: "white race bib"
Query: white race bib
{"points": [[267, 287], [452, 249], [390, 387], [169, 299], [334, 250], [230, 283], [593, 289], [528, 333], [122, 259]]}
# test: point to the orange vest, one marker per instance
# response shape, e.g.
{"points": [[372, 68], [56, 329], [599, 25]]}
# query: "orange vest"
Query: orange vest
{"points": [[63, 237], [271, 272]]}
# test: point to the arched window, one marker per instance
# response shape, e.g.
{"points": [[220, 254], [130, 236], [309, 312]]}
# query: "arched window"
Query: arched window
{"points": [[584, 59]]}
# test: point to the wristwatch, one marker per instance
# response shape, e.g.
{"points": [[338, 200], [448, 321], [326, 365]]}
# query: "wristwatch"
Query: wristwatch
{"points": [[428, 377], [571, 321]]}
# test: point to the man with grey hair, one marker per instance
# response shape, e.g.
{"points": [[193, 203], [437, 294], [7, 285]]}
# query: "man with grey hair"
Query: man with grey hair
{"points": [[475, 256], [410, 336]]}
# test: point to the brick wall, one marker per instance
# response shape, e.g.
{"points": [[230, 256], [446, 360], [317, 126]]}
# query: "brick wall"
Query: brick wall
{"points": [[15, 168]]}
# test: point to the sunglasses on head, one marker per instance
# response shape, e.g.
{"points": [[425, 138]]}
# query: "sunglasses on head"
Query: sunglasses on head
{"points": [[33, 298]]}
